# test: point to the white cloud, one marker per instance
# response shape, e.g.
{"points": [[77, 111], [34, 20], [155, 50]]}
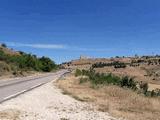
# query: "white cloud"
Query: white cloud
{"points": [[59, 47], [42, 46]]}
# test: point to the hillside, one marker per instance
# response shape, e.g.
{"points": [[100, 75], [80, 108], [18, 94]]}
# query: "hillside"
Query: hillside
{"points": [[145, 68], [13, 63], [126, 87]]}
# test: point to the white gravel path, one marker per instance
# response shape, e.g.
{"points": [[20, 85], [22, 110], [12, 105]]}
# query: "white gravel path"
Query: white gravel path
{"points": [[48, 103]]}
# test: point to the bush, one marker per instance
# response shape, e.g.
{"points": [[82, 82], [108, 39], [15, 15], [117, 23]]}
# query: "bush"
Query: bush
{"points": [[153, 93], [98, 78], [47, 64], [115, 64], [144, 87], [78, 73], [83, 80], [128, 82], [28, 62], [120, 65], [4, 45], [105, 79]]}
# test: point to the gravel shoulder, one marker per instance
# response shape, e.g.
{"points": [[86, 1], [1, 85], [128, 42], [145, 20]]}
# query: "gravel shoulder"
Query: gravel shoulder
{"points": [[48, 103]]}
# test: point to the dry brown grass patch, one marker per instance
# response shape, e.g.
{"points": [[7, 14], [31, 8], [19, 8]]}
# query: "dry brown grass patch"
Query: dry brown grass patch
{"points": [[117, 101], [9, 114]]}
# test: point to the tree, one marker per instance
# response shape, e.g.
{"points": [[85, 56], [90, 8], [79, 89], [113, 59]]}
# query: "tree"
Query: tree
{"points": [[4, 45], [47, 64]]}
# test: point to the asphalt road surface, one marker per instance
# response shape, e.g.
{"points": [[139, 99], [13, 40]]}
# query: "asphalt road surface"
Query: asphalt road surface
{"points": [[12, 88]]}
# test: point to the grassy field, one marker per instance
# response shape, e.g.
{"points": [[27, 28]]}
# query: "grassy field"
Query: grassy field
{"points": [[117, 101]]}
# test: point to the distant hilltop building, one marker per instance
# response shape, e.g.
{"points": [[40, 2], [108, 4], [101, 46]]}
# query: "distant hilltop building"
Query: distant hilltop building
{"points": [[82, 57]]}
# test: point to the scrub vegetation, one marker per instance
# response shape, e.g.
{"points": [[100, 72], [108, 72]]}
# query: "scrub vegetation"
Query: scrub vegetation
{"points": [[117, 98], [18, 62]]}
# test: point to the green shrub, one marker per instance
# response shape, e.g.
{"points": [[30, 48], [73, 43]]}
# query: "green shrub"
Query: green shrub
{"points": [[153, 93], [144, 87], [78, 73], [98, 78], [115, 64], [4, 45], [128, 82], [46, 64], [105, 79], [28, 62]]}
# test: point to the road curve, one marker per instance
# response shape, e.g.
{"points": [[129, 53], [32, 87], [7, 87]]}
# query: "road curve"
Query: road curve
{"points": [[13, 88]]}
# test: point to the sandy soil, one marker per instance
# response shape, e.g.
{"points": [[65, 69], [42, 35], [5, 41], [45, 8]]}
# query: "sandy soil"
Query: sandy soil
{"points": [[153, 87], [48, 103]]}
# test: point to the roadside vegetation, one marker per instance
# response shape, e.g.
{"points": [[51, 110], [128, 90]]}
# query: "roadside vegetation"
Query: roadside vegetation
{"points": [[127, 87], [18, 63], [112, 94], [109, 79], [115, 64]]}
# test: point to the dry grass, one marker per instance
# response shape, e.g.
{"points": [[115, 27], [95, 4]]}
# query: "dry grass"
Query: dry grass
{"points": [[136, 72], [143, 72], [115, 100], [9, 51], [9, 115], [153, 87]]}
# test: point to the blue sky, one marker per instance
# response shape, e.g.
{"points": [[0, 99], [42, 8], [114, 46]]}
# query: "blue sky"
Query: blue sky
{"points": [[66, 29]]}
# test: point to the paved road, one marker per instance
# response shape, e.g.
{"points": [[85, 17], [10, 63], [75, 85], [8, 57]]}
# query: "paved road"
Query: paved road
{"points": [[13, 88]]}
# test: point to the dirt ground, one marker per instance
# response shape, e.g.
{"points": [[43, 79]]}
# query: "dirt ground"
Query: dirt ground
{"points": [[9, 114], [48, 103]]}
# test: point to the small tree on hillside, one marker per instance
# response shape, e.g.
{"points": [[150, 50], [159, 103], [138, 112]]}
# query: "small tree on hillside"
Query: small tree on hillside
{"points": [[47, 64], [4, 45]]}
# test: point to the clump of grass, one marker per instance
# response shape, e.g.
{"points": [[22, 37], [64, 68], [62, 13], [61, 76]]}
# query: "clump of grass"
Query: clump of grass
{"points": [[115, 64], [83, 80], [78, 73], [64, 119]]}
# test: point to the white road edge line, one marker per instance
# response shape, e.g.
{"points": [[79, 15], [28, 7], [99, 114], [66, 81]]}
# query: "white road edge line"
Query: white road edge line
{"points": [[21, 92], [36, 85], [11, 96]]}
